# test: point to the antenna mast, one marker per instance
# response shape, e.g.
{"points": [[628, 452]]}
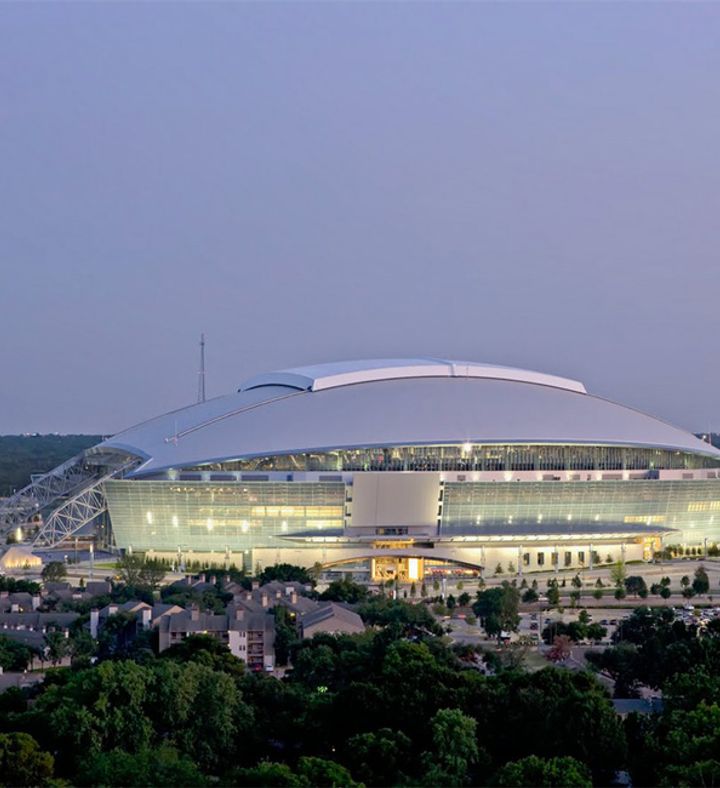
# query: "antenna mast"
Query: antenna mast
{"points": [[201, 373]]}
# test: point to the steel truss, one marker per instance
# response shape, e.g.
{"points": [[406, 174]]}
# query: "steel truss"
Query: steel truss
{"points": [[21, 507], [72, 489], [79, 510]]}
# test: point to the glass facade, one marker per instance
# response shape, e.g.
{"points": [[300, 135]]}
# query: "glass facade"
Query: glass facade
{"points": [[692, 507], [474, 457], [214, 516]]}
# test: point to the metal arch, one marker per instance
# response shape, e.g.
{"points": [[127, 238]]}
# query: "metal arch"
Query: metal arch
{"points": [[42, 491], [78, 511]]}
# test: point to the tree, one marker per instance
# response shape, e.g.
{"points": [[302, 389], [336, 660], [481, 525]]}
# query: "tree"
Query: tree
{"points": [[54, 572], [159, 766], [152, 574], [13, 655], [684, 581], [413, 590], [665, 592], [620, 592], [323, 773], [561, 648], [210, 737], [618, 573], [553, 596], [464, 599], [345, 590], [497, 609], [701, 581], [598, 593], [269, 775], [705, 772], [596, 632], [57, 647], [378, 757], [286, 573], [542, 772], [636, 586], [22, 762], [286, 635], [81, 644], [128, 567], [455, 749], [576, 582], [511, 568], [530, 596], [117, 634], [498, 569], [423, 590]]}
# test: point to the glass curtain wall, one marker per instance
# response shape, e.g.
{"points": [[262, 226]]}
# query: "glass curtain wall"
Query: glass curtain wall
{"points": [[209, 516], [691, 507], [474, 457]]}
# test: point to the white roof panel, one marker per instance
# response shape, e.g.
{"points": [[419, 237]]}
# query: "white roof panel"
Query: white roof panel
{"points": [[347, 373], [355, 406]]}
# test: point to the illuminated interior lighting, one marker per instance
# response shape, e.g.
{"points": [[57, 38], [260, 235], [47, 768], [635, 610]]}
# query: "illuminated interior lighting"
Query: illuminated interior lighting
{"points": [[413, 569]]}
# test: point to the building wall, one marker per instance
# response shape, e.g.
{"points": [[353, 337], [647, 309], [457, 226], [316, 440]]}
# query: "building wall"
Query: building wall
{"points": [[204, 516], [392, 499], [690, 507], [246, 523]]}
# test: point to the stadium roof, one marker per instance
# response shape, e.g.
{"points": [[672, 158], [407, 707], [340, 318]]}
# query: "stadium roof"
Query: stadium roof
{"points": [[347, 373], [393, 403]]}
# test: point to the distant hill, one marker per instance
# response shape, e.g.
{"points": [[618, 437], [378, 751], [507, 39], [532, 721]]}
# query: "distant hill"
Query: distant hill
{"points": [[21, 455]]}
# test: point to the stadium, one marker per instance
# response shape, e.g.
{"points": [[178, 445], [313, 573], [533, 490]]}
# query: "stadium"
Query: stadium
{"points": [[392, 467]]}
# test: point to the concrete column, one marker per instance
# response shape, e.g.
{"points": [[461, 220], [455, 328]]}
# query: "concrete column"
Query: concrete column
{"points": [[590, 558], [557, 563], [519, 565]]}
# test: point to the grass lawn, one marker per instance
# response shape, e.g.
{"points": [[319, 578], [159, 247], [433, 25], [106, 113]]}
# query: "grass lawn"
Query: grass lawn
{"points": [[535, 661]]}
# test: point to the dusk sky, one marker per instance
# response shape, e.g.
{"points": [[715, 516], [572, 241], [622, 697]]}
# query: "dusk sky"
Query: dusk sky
{"points": [[529, 184]]}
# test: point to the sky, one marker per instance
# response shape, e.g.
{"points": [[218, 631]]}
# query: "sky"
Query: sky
{"points": [[529, 184]]}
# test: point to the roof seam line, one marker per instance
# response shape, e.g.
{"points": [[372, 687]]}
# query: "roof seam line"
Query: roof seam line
{"points": [[230, 414]]}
